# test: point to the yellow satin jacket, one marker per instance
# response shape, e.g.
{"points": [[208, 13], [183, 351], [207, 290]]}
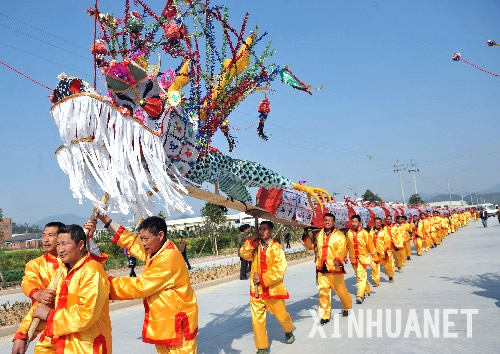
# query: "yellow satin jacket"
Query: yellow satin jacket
{"points": [[360, 247], [329, 248], [270, 265], [378, 238], [80, 322], [38, 274], [169, 300]]}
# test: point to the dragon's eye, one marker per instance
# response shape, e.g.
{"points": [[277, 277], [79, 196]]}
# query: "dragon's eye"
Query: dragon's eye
{"points": [[75, 86]]}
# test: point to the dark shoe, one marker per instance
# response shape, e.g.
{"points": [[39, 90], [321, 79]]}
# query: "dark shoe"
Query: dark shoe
{"points": [[391, 280], [367, 294], [400, 270], [324, 321], [345, 313], [375, 285], [419, 254], [359, 300], [263, 351], [408, 258], [289, 338], [243, 278]]}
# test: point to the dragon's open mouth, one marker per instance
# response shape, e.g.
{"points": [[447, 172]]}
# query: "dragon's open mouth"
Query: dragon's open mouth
{"points": [[105, 150]]}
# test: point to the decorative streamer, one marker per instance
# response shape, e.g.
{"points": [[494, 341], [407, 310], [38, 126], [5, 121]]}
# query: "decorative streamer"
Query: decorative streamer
{"points": [[458, 57], [26, 76]]}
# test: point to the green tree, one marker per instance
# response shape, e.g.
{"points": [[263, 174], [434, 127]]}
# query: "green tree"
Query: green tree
{"points": [[371, 197], [416, 199], [214, 216]]}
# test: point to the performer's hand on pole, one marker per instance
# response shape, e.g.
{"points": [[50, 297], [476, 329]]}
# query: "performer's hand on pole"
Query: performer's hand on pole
{"points": [[42, 312], [256, 279], [45, 297], [91, 226], [104, 218], [255, 235]]}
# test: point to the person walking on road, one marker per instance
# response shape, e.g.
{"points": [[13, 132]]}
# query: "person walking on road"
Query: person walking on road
{"points": [[183, 250], [484, 217], [242, 237], [287, 240], [131, 262]]}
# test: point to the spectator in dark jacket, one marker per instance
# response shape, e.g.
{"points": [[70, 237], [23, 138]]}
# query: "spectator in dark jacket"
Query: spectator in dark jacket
{"points": [[484, 217], [245, 265], [131, 261]]}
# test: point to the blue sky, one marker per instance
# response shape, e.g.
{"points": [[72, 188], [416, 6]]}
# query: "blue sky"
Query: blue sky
{"points": [[391, 92]]}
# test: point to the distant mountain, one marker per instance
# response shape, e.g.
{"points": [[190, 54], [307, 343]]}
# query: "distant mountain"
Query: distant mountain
{"points": [[64, 218], [493, 198], [493, 189], [442, 197], [427, 196]]}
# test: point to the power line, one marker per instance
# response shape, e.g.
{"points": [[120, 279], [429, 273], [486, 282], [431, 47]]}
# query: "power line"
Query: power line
{"points": [[45, 42], [46, 59], [42, 30]]}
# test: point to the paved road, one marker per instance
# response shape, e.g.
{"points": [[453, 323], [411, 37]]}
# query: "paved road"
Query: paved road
{"points": [[463, 273], [206, 262]]}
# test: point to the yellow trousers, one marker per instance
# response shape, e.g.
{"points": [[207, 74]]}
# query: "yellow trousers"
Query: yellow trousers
{"points": [[327, 282], [361, 280], [375, 273], [408, 248], [277, 308], [186, 347], [399, 255], [417, 242], [434, 237], [428, 242], [388, 264]]}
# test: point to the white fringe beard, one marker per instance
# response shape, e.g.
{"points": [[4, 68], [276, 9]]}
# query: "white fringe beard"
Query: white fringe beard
{"points": [[125, 160]]}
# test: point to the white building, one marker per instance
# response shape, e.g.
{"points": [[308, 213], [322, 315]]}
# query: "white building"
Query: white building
{"points": [[446, 203], [234, 220]]}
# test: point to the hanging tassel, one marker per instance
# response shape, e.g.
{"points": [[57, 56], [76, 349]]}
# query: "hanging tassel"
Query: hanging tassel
{"points": [[264, 109], [230, 139]]}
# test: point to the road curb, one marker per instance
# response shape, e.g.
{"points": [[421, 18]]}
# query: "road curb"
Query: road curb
{"points": [[11, 330]]}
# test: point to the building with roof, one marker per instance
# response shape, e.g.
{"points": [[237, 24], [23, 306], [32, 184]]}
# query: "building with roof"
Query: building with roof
{"points": [[24, 241]]}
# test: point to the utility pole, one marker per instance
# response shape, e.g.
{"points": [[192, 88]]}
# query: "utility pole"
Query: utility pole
{"points": [[462, 193], [477, 199], [449, 190], [397, 169], [471, 203], [413, 169]]}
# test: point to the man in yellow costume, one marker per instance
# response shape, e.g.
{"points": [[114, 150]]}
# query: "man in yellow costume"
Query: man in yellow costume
{"points": [[435, 228], [405, 229], [378, 237], [393, 243], [418, 232], [360, 247], [267, 291], [171, 319], [40, 271], [80, 321], [331, 248], [429, 243]]}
